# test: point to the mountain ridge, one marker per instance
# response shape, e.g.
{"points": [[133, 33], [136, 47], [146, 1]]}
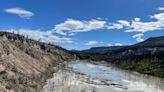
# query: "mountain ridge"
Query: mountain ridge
{"points": [[131, 46], [146, 57]]}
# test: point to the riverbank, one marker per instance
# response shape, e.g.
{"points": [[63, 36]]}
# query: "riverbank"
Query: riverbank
{"points": [[146, 57], [87, 77]]}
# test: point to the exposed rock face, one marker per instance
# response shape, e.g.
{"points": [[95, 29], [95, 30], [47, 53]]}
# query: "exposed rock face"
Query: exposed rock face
{"points": [[25, 64]]}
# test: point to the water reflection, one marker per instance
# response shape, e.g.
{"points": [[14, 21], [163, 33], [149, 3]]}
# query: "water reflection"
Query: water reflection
{"points": [[83, 77]]}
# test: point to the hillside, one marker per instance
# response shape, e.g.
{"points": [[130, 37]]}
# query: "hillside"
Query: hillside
{"points": [[146, 57], [151, 42], [102, 49], [25, 64]]}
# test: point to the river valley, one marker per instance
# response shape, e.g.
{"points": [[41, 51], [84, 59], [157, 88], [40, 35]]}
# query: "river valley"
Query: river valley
{"points": [[87, 77]]}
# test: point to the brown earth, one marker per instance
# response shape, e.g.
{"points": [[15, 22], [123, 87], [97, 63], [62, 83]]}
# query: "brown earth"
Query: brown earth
{"points": [[25, 64]]}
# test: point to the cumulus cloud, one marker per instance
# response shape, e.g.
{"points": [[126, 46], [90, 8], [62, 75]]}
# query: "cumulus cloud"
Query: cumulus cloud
{"points": [[139, 26], [124, 23], [44, 36], [161, 8], [20, 12], [114, 26], [109, 44], [138, 37], [72, 26], [142, 27], [115, 44], [159, 17], [91, 43], [120, 24], [118, 44]]}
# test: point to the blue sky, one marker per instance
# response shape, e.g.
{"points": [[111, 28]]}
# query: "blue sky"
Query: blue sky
{"points": [[81, 24]]}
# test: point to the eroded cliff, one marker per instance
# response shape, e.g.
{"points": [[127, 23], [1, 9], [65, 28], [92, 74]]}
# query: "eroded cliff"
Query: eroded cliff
{"points": [[25, 64]]}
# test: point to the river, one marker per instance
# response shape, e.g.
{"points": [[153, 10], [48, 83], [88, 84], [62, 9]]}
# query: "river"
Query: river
{"points": [[87, 77]]}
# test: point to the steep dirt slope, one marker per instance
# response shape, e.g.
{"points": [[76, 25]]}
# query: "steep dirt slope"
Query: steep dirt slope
{"points": [[25, 64]]}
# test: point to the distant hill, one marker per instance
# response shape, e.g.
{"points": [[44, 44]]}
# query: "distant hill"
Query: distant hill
{"points": [[151, 42], [146, 57], [102, 49], [25, 64]]}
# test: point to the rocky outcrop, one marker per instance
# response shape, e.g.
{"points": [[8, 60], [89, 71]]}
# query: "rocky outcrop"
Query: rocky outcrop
{"points": [[25, 64]]}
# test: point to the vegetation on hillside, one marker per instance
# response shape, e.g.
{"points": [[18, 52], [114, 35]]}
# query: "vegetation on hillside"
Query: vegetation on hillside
{"points": [[146, 57]]}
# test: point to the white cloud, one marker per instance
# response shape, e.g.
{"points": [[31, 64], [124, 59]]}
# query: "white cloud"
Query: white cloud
{"points": [[142, 27], [124, 22], [138, 37], [109, 44], [114, 26], [137, 19], [115, 44], [119, 25], [71, 26], [161, 8], [159, 17], [138, 26], [91, 43], [20, 12], [45, 36], [118, 44]]}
